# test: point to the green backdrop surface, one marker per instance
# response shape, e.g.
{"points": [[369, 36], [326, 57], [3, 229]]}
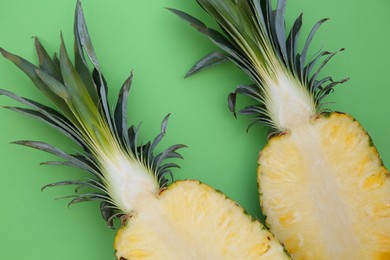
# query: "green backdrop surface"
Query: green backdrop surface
{"points": [[142, 35]]}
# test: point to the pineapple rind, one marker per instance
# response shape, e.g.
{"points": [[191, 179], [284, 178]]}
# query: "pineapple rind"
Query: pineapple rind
{"points": [[190, 220], [339, 210]]}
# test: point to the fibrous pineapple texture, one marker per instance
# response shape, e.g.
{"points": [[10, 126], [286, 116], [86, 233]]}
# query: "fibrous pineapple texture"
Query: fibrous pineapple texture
{"points": [[183, 220], [195, 222], [340, 190], [322, 185]]}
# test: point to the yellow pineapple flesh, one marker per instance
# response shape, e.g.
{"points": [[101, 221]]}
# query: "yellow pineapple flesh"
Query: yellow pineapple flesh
{"points": [[322, 185], [325, 191], [160, 220], [190, 220]]}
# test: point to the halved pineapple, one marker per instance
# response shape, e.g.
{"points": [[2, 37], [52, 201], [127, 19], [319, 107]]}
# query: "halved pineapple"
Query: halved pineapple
{"points": [[325, 191], [323, 188], [190, 220], [184, 220]]}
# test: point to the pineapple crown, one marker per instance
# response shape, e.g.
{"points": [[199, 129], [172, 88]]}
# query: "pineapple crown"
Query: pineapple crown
{"points": [[255, 40], [83, 114]]}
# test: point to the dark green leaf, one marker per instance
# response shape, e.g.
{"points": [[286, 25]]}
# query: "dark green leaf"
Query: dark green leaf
{"points": [[69, 182], [232, 99], [83, 36], [102, 88], [75, 165], [280, 29], [30, 70], [57, 87], [70, 133], [308, 42], [309, 67], [158, 138], [56, 151], [208, 61], [120, 114], [212, 34], [48, 115], [108, 211], [80, 62], [254, 110], [314, 76], [46, 63], [292, 43]]}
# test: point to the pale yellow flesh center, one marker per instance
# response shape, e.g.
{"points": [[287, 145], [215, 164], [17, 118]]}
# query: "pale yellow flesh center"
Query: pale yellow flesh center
{"points": [[325, 193], [193, 221]]}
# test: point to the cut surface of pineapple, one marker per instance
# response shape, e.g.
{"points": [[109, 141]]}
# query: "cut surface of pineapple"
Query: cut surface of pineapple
{"points": [[184, 220], [325, 191], [190, 220], [322, 185]]}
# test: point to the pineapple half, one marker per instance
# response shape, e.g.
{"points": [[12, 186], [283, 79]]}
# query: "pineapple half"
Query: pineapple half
{"points": [[322, 185], [183, 220]]}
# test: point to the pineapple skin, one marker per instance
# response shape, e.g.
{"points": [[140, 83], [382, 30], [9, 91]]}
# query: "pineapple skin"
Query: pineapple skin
{"points": [[325, 191], [191, 220]]}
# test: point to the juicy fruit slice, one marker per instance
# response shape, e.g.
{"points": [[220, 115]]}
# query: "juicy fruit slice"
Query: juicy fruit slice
{"points": [[190, 220], [187, 220], [325, 191], [323, 186]]}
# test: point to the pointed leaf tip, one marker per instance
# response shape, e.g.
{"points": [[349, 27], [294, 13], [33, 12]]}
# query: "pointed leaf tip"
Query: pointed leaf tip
{"points": [[210, 60], [164, 123], [232, 103], [19, 142], [85, 39], [4, 53]]}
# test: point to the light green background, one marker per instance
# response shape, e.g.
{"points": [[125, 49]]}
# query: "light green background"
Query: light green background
{"points": [[140, 34]]}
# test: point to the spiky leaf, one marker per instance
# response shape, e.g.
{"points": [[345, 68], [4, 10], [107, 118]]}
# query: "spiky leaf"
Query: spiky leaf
{"points": [[256, 40], [110, 150]]}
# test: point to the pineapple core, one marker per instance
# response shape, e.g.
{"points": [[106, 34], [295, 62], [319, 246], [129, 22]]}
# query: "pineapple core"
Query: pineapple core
{"points": [[190, 220], [325, 191]]}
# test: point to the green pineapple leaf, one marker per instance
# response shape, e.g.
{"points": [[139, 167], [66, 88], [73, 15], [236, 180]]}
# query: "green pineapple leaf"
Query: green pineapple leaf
{"points": [[109, 147], [255, 38]]}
